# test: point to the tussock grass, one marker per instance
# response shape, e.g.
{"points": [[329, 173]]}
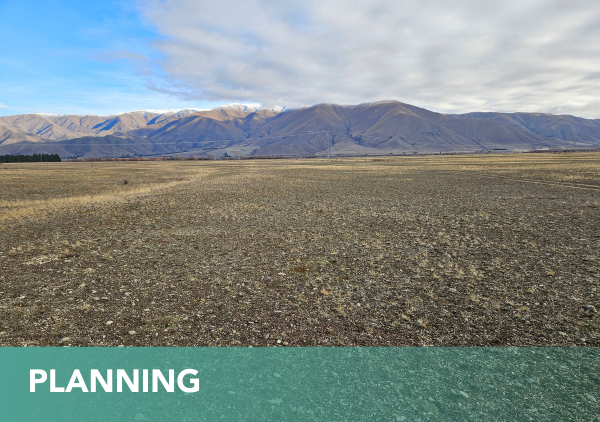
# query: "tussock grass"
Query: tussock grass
{"points": [[37, 209], [76, 186]]}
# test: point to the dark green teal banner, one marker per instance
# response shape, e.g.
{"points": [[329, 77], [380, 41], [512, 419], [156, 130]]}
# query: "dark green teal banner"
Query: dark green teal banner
{"points": [[303, 384]]}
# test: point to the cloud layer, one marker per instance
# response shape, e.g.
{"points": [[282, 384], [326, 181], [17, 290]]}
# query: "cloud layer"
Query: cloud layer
{"points": [[458, 56]]}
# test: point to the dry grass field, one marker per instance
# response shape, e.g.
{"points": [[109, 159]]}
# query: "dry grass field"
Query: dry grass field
{"points": [[443, 251]]}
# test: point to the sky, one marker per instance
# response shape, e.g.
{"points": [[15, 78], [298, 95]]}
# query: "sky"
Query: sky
{"points": [[452, 56]]}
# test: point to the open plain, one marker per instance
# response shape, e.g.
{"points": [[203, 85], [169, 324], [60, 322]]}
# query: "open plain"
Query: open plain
{"points": [[476, 250]]}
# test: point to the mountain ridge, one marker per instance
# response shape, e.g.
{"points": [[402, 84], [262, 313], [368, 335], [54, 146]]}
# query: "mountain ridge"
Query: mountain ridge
{"points": [[383, 127]]}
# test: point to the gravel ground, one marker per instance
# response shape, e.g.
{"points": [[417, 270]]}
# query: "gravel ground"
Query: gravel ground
{"points": [[442, 251]]}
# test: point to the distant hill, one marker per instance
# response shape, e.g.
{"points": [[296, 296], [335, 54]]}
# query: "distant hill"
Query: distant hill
{"points": [[385, 127], [71, 126], [563, 127]]}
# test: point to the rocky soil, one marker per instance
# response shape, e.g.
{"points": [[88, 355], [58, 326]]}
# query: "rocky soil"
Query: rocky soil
{"points": [[441, 251]]}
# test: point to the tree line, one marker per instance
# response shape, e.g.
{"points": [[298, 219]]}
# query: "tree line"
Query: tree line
{"points": [[35, 158]]}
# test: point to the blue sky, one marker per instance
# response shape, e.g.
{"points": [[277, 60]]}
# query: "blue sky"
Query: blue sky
{"points": [[105, 57], [78, 57]]}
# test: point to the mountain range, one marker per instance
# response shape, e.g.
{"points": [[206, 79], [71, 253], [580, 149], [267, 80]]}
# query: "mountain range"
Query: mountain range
{"points": [[380, 128]]}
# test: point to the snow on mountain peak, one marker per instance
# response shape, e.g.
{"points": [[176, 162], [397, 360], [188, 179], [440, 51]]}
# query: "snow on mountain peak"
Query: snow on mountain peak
{"points": [[251, 108], [279, 109], [168, 111], [246, 108]]}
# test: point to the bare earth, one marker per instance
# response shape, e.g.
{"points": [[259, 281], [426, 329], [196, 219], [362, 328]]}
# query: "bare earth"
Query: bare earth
{"points": [[444, 251]]}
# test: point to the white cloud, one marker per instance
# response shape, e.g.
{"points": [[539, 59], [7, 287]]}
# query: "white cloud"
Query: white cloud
{"points": [[3, 106], [516, 55]]}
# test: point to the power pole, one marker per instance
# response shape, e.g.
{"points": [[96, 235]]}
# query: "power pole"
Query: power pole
{"points": [[329, 130], [331, 140]]}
